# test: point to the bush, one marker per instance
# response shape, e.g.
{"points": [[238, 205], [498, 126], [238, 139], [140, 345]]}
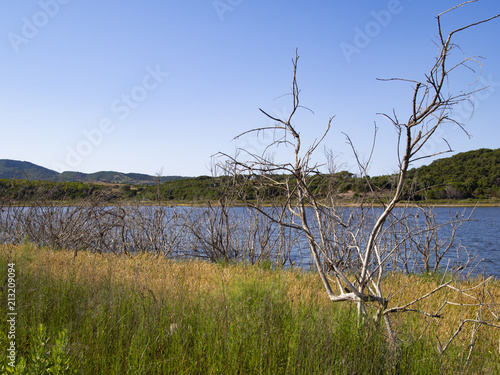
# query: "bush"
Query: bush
{"points": [[44, 358]]}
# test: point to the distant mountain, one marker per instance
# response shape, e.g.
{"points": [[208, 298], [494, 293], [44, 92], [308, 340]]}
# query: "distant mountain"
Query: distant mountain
{"points": [[467, 175], [113, 177], [23, 170]]}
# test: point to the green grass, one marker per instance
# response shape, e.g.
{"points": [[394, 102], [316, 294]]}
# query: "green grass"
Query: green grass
{"points": [[84, 316]]}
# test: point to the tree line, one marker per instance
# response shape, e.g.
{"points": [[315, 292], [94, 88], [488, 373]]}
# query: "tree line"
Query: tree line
{"points": [[468, 175]]}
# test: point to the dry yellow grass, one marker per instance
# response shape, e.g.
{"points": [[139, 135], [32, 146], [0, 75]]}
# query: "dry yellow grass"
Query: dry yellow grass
{"points": [[459, 301], [469, 299], [157, 274]]}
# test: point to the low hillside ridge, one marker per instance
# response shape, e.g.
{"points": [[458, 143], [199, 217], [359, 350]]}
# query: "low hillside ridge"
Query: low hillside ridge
{"points": [[472, 175], [23, 170]]}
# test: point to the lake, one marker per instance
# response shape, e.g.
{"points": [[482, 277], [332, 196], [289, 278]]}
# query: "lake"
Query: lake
{"points": [[481, 236], [207, 233], [478, 237]]}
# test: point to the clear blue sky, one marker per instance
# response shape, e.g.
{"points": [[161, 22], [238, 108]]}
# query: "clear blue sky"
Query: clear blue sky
{"points": [[150, 86]]}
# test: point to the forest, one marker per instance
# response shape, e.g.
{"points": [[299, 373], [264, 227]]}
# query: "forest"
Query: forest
{"points": [[472, 176]]}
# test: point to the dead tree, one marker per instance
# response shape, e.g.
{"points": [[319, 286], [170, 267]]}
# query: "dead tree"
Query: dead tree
{"points": [[332, 238]]}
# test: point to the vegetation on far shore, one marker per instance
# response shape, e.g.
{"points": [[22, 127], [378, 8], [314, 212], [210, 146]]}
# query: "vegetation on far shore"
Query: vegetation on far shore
{"points": [[464, 179], [110, 314]]}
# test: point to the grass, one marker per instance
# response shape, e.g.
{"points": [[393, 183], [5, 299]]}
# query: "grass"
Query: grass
{"points": [[108, 314]]}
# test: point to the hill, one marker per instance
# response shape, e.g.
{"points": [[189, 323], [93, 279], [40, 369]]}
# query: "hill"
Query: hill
{"points": [[469, 175], [23, 170], [473, 174]]}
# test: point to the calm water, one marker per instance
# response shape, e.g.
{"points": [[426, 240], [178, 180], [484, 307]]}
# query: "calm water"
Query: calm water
{"points": [[481, 236]]}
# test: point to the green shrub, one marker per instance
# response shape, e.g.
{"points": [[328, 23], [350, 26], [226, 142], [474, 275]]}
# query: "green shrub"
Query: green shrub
{"points": [[44, 358]]}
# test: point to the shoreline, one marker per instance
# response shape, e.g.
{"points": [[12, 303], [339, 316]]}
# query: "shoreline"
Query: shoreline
{"points": [[241, 204]]}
